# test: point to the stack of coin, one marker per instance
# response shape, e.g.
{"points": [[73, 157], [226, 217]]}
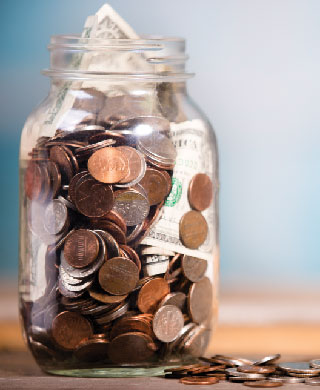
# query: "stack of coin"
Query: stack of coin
{"points": [[93, 193], [264, 373]]}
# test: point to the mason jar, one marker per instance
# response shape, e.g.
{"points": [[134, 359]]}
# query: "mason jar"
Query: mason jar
{"points": [[119, 250]]}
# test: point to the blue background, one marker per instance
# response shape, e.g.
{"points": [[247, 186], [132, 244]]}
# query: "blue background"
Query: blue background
{"points": [[257, 65]]}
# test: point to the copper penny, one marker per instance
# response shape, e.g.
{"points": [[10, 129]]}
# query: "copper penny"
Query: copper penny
{"points": [[250, 369], [102, 296], [200, 192], [132, 206], [59, 155], [198, 380], [132, 255], [55, 178], [115, 231], [92, 350], [93, 199], [108, 165], [167, 323], [131, 324], [69, 329], [263, 384], [81, 248], [73, 183], [193, 268], [118, 276], [136, 163], [33, 181], [156, 185], [151, 294], [193, 229], [131, 347], [117, 219], [200, 300]]}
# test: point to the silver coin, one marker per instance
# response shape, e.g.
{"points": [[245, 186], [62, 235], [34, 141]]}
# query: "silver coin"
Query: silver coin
{"points": [[299, 368], [139, 178], [315, 363], [132, 206], [76, 287], [267, 360], [96, 146], [178, 343], [312, 381], [67, 293], [176, 298], [158, 147], [112, 247], [236, 373], [67, 202], [167, 323], [286, 379], [197, 341], [141, 126], [114, 315]]}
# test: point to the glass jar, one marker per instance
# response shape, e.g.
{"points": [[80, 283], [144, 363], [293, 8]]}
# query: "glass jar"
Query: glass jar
{"points": [[119, 248]]}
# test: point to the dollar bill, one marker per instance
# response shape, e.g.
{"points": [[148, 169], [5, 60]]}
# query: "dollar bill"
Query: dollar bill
{"points": [[194, 155]]}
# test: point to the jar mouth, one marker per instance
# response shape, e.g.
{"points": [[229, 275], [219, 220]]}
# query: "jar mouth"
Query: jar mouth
{"points": [[155, 58]]}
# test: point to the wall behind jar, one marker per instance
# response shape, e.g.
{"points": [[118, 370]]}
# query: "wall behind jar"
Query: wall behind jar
{"points": [[257, 65]]}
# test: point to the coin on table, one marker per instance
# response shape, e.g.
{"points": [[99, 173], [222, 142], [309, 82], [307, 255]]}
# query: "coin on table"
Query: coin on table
{"points": [[193, 229], [200, 300], [198, 380], [131, 347], [108, 165], [156, 185], [251, 369], [193, 268], [168, 322], [151, 294], [263, 384], [93, 199], [297, 368], [69, 329], [200, 192], [132, 206], [56, 217], [81, 248], [267, 360], [118, 276], [315, 363], [286, 379], [312, 381], [60, 156]]}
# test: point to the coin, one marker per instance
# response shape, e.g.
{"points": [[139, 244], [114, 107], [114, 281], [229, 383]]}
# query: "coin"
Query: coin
{"points": [[92, 350], [312, 381], [267, 360], [156, 185], [69, 329], [55, 178], [286, 379], [157, 147], [102, 296], [59, 155], [176, 298], [56, 218], [33, 181], [93, 199], [81, 248], [167, 323], [200, 192], [73, 183], [315, 363], [193, 268], [108, 165], [116, 218], [257, 369], [132, 206], [132, 347], [200, 300], [151, 294], [131, 324], [196, 341], [193, 229], [118, 276], [263, 384], [136, 163], [302, 368], [198, 380]]}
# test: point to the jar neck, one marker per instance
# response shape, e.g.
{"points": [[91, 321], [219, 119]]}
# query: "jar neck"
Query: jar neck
{"points": [[147, 60]]}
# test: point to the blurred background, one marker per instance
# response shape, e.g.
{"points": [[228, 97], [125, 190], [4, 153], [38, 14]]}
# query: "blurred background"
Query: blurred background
{"points": [[257, 78]]}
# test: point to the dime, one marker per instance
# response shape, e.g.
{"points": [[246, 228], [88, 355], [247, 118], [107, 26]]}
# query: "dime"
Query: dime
{"points": [[151, 294], [193, 229], [92, 350], [93, 199], [200, 192], [33, 181], [198, 380], [196, 341], [131, 347], [156, 185], [257, 369], [167, 323], [315, 363], [81, 248], [132, 206], [176, 298], [69, 329], [200, 300], [302, 368], [193, 268], [108, 165], [263, 384], [56, 218], [59, 155], [118, 276]]}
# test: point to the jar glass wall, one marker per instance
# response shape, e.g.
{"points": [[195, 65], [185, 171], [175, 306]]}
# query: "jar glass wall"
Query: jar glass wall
{"points": [[119, 248]]}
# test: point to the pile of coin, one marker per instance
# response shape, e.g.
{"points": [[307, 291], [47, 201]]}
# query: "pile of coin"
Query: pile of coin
{"points": [[93, 194], [263, 373]]}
